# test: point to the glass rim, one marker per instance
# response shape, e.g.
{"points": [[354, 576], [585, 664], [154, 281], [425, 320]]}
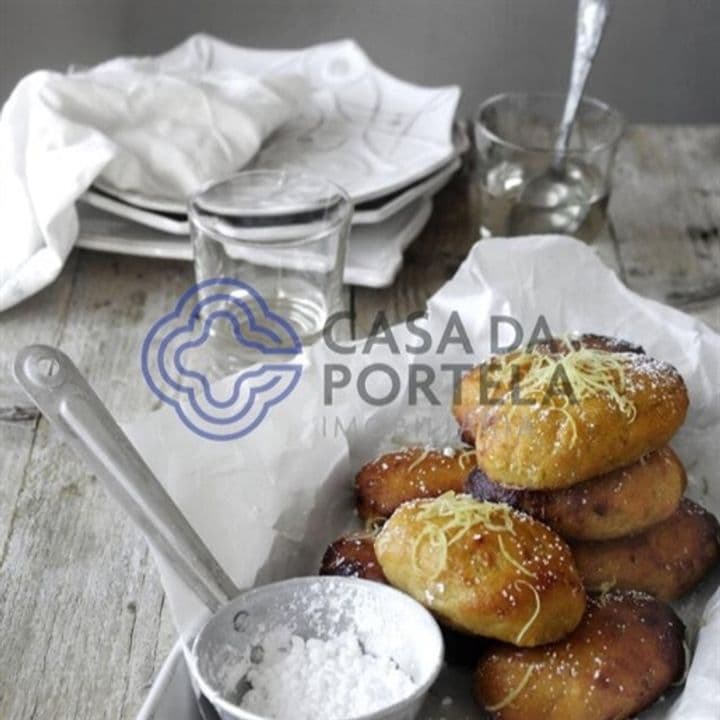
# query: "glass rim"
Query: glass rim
{"points": [[616, 116], [344, 202]]}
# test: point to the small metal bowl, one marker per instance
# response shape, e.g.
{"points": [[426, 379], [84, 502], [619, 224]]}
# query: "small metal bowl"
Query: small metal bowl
{"points": [[385, 620]]}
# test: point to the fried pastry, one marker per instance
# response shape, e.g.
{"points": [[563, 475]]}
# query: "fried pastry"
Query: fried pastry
{"points": [[557, 419], [408, 474], [621, 502], [473, 390], [666, 561], [352, 555], [626, 651], [483, 568]]}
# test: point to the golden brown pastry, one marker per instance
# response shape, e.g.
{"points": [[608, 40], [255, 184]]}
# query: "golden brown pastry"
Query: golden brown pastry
{"points": [[561, 418], [619, 503], [483, 568], [352, 555], [666, 561], [472, 392], [627, 650], [408, 474]]}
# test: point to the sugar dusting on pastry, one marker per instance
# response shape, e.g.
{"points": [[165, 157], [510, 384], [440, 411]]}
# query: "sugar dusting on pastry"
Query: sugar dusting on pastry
{"points": [[586, 674], [507, 700], [456, 515], [448, 518], [408, 473], [559, 380]]}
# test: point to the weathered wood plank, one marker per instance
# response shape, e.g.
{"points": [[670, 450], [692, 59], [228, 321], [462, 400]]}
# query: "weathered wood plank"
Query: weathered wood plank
{"points": [[665, 211], [41, 317], [81, 607]]}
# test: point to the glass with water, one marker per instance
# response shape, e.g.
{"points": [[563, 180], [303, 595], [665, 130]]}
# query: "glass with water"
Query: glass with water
{"points": [[515, 134]]}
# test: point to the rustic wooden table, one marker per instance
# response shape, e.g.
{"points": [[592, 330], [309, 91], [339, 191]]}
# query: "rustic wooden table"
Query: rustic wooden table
{"points": [[83, 621]]}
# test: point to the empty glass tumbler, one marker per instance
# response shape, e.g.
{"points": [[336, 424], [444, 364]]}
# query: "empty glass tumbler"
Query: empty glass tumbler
{"points": [[269, 251], [515, 134]]}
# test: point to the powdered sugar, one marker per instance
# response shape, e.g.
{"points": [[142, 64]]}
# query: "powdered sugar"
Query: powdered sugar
{"points": [[318, 648], [297, 679]]}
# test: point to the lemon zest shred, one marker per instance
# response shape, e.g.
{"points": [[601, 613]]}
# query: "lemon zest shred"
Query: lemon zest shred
{"points": [[589, 372], [536, 612], [606, 586], [450, 516], [512, 695], [512, 560], [421, 458], [464, 456], [437, 538]]}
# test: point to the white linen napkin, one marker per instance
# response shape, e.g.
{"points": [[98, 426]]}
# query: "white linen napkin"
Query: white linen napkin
{"points": [[159, 126]]}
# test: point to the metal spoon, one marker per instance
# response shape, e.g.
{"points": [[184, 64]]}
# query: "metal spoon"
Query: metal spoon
{"points": [[548, 202], [59, 390]]}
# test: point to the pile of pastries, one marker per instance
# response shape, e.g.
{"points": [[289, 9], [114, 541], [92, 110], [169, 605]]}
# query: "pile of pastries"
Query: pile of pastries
{"points": [[549, 543]]}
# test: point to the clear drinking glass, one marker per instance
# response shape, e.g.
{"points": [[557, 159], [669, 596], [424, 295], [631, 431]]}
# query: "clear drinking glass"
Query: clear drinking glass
{"points": [[514, 137], [273, 242]]}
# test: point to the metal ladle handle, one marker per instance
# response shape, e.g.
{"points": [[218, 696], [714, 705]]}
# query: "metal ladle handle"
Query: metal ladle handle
{"points": [[591, 17], [63, 395]]}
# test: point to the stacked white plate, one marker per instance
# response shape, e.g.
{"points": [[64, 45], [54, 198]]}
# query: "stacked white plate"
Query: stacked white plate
{"points": [[390, 144]]}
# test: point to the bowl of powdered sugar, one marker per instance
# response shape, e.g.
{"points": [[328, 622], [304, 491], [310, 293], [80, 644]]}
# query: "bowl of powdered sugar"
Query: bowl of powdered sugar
{"points": [[319, 648]]}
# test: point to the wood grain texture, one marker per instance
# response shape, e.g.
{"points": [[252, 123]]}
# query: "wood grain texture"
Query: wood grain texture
{"points": [[82, 613], [665, 212], [82, 616]]}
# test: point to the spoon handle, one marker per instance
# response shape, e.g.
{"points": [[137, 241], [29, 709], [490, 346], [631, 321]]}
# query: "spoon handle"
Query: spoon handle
{"points": [[58, 389], [591, 18]]}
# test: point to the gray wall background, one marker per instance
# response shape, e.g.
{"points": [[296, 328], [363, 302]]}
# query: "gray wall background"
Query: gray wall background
{"points": [[660, 60]]}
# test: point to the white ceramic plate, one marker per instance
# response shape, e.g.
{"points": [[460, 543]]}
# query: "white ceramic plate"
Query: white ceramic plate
{"points": [[175, 224], [374, 251], [171, 216], [368, 131], [374, 211]]}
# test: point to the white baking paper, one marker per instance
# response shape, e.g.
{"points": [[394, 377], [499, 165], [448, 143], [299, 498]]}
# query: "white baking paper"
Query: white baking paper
{"points": [[267, 505]]}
